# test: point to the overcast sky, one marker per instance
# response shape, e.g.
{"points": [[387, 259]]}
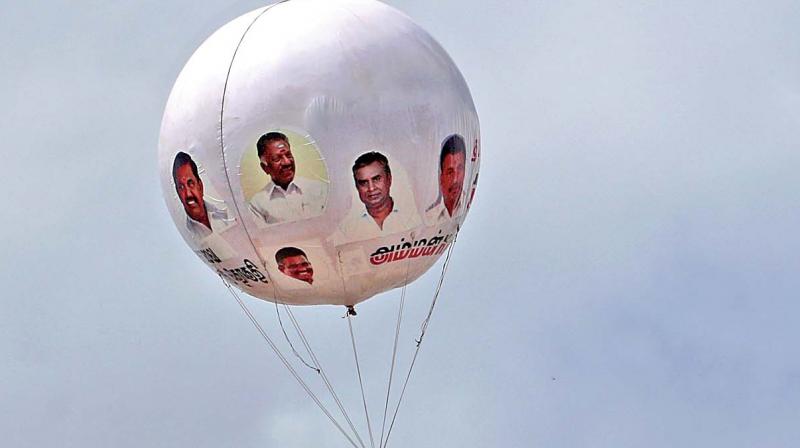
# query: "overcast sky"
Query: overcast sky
{"points": [[628, 275]]}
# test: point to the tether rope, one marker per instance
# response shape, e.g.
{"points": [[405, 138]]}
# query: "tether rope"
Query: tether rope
{"points": [[280, 322], [394, 351], [423, 330], [222, 129], [394, 358], [286, 363], [322, 374], [360, 381]]}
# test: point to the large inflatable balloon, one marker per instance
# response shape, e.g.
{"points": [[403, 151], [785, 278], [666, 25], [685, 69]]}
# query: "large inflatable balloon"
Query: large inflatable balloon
{"points": [[319, 151]]}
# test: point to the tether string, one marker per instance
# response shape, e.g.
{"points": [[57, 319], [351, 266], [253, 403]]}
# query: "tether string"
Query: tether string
{"points": [[323, 375], [289, 341], [423, 330], [391, 369], [285, 361], [394, 350], [222, 129], [360, 381]]}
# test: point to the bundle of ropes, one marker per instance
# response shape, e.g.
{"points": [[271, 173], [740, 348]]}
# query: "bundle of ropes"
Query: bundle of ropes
{"points": [[353, 437]]}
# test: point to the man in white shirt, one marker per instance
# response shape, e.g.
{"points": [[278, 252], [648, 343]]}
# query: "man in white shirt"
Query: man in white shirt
{"points": [[202, 217], [452, 166], [382, 215], [285, 197]]}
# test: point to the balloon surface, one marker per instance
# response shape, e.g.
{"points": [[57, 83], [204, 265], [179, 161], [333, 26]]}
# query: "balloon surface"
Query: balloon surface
{"points": [[319, 151]]}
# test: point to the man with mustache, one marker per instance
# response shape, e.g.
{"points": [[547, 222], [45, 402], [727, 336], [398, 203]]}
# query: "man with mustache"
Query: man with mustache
{"points": [[294, 263], [452, 166], [202, 217], [381, 215], [286, 197]]}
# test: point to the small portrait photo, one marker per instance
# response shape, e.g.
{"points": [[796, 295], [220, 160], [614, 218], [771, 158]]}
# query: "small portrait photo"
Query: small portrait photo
{"points": [[383, 203], [205, 215], [284, 178], [293, 262], [301, 271], [451, 172]]}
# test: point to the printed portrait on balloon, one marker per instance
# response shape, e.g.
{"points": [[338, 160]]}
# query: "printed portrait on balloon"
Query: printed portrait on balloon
{"points": [[205, 217], [299, 269], [385, 203], [452, 169], [293, 262], [284, 178]]}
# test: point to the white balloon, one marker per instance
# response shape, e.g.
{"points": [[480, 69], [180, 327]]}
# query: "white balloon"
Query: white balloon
{"points": [[325, 82]]}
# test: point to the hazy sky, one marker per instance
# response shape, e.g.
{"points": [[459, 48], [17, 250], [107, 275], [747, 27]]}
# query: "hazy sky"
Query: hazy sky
{"points": [[628, 276]]}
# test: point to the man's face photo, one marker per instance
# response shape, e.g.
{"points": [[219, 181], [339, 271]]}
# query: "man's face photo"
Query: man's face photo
{"points": [[297, 267], [373, 184], [190, 191], [277, 161], [451, 180]]}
